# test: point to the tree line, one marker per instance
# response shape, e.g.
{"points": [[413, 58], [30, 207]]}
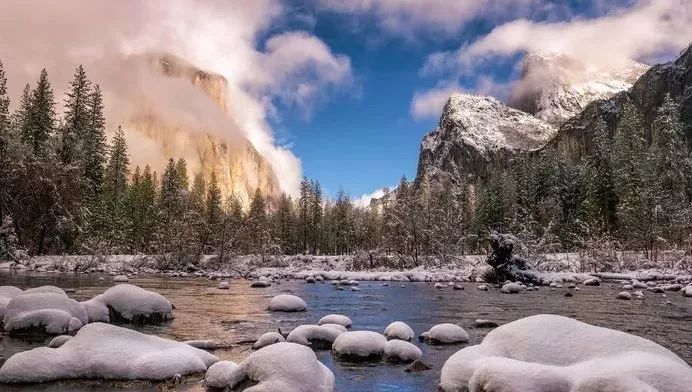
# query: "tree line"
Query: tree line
{"points": [[65, 189]]}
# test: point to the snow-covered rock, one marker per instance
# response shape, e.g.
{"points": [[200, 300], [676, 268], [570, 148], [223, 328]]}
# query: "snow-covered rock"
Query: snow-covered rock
{"points": [[280, 367], [261, 283], [268, 338], [287, 303], [316, 336], [126, 302], [336, 319], [592, 282], [399, 351], [120, 278], [446, 333], [483, 323], [44, 311], [103, 351], [624, 295], [6, 294], [511, 288], [224, 286], [482, 287], [554, 353], [338, 327], [399, 330], [222, 374], [59, 341], [687, 291], [359, 346], [205, 344]]}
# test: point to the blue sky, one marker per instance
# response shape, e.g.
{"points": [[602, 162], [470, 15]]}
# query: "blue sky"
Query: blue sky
{"points": [[363, 136]]}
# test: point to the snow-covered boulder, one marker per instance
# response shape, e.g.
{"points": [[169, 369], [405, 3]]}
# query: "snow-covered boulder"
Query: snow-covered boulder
{"points": [[446, 333], [103, 351], [399, 351], [592, 282], [129, 303], [338, 327], [287, 303], [268, 338], [44, 311], [357, 346], [6, 294], [59, 341], [262, 283], [318, 337], [222, 374], [224, 286], [336, 319], [399, 330], [554, 353], [482, 287], [624, 295], [45, 289], [511, 288], [120, 279], [205, 344], [280, 367], [687, 291]]}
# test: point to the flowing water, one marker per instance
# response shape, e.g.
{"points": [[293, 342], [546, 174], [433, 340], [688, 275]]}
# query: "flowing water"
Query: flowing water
{"points": [[237, 316]]}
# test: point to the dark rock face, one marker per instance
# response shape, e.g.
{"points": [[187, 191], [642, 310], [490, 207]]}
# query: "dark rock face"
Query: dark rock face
{"points": [[647, 93]]}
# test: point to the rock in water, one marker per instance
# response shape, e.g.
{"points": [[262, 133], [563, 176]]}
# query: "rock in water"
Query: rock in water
{"points": [[399, 351], [359, 346], [120, 278], [592, 282], [280, 367], [318, 337], [287, 303], [267, 339], [222, 374], [624, 295], [224, 286], [260, 283], [446, 333], [45, 311], [129, 303], [511, 288], [336, 319], [399, 330], [482, 323], [59, 341], [104, 351], [566, 355], [417, 366]]}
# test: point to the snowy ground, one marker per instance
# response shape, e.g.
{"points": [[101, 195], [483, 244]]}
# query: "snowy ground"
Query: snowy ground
{"points": [[559, 267]]}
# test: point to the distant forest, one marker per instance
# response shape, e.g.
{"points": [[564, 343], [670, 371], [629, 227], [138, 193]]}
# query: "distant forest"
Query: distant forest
{"points": [[65, 189]]}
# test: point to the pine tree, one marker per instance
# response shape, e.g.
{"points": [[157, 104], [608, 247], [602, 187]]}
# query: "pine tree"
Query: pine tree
{"points": [[117, 168], [5, 122], [284, 224], [170, 191], [257, 224], [670, 166], [77, 116], [213, 206], [304, 213], [601, 199], [94, 144], [316, 215], [40, 122], [181, 172], [6, 134]]}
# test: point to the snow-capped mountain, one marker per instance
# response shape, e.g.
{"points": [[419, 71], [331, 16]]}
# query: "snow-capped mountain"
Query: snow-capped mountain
{"points": [[475, 131], [555, 87]]}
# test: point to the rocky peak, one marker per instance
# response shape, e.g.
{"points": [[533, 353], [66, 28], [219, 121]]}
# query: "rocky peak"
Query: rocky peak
{"points": [[555, 87], [476, 132]]}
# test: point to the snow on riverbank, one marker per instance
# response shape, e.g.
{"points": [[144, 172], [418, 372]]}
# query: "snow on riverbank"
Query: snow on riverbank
{"points": [[563, 267]]}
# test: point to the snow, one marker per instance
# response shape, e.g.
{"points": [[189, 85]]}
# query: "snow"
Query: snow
{"points": [[511, 288], [624, 295], [103, 351], [268, 338], [399, 330], [399, 351], [359, 345], [6, 294], [222, 374], [45, 289], [287, 303], [205, 344], [131, 303], [687, 291], [120, 278], [336, 319], [224, 286], [316, 336], [261, 283], [446, 333], [338, 327], [50, 311], [592, 282], [554, 353], [59, 341], [283, 367]]}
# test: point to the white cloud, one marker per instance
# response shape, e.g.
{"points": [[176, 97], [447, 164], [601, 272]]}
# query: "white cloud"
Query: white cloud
{"points": [[428, 104], [219, 36], [645, 29], [364, 200]]}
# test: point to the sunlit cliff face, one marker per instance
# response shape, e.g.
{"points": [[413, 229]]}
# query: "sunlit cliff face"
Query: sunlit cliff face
{"points": [[158, 130]]}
